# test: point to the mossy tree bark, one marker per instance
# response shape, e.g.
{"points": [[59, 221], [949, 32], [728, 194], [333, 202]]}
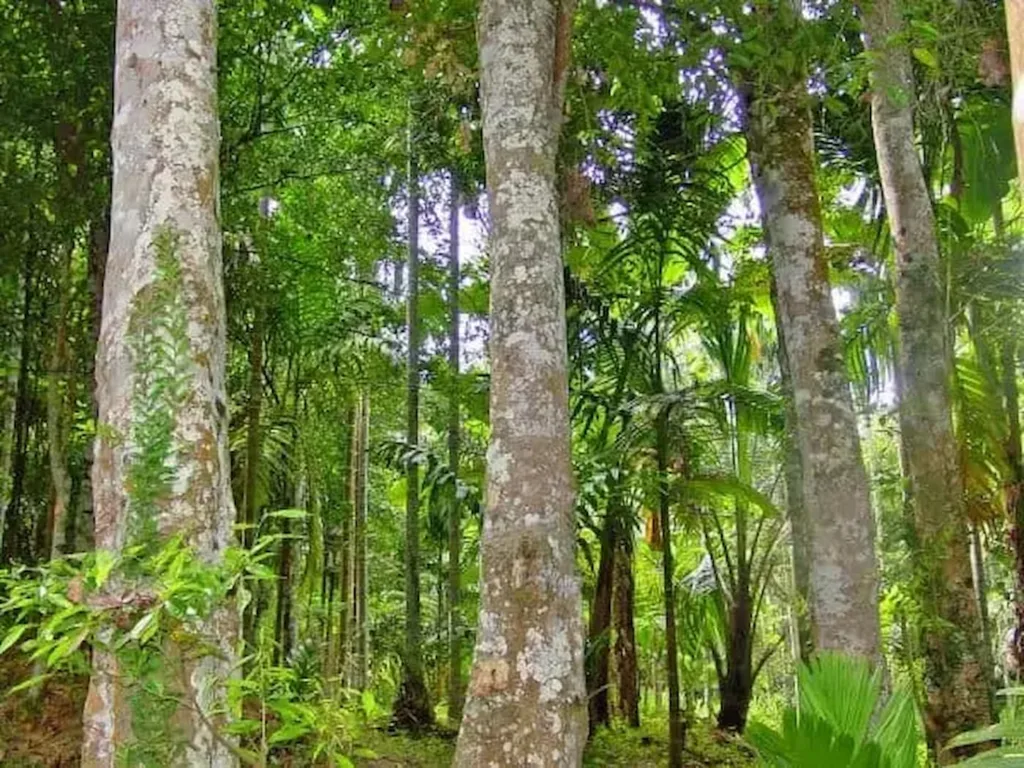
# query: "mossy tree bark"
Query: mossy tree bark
{"points": [[841, 567], [160, 373], [526, 703], [957, 695]]}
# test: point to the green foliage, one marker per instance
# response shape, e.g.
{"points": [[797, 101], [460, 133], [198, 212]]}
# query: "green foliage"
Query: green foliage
{"points": [[159, 344], [841, 721], [1002, 742]]}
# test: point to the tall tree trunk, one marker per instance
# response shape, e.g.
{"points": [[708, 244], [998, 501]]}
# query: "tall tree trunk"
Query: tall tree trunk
{"points": [[361, 456], [626, 668], [57, 419], [283, 612], [981, 597], [599, 634], [253, 450], [13, 534], [7, 422], [412, 708], [160, 370], [456, 692], [676, 726], [842, 568], [527, 694], [350, 454], [956, 684], [253, 436], [796, 509]]}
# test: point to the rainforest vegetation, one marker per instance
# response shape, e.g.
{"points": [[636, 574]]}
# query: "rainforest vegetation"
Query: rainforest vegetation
{"points": [[507, 383]]}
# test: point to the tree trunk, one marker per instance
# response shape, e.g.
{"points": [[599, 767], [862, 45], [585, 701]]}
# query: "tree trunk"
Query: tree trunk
{"points": [[412, 708], [796, 509], [627, 670], [350, 453], [283, 614], [253, 450], [527, 693], [13, 534], [676, 726], [981, 597], [736, 686], [357, 676], [456, 692], [160, 371], [955, 682], [599, 634], [58, 416], [842, 568], [7, 422]]}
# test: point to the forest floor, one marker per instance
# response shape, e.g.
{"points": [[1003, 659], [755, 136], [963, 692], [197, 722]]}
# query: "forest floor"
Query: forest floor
{"points": [[44, 730], [646, 747]]}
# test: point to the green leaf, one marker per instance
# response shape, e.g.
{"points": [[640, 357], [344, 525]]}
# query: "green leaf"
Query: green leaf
{"points": [[30, 683], [343, 762], [105, 561], [926, 57], [289, 514], [289, 732], [12, 636]]}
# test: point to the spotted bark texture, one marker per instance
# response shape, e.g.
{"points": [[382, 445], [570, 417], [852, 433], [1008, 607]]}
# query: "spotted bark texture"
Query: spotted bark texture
{"points": [[843, 586], [955, 682], [526, 703], [164, 261]]}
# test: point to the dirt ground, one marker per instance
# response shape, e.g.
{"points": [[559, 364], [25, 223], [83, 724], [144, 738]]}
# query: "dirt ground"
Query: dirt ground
{"points": [[41, 728]]}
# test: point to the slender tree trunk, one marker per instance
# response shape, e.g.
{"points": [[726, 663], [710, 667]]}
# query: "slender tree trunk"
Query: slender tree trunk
{"points": [[676, 726], [599, 635], [99, 240], [13, 533], [253, 442], [7, 422], [841, 565], [350, 453], [527, 693], [456, 687], [283, 613], [358, 666], [627, 670], [412, 707], [160, 369], [57, 419], [253, 450], [981, 597], [955, 682]]}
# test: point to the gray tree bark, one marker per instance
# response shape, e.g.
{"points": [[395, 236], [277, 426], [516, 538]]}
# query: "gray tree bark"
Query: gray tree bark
{"points": [[160, 364], [526, 703], [955, 682], [842, 568]]}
